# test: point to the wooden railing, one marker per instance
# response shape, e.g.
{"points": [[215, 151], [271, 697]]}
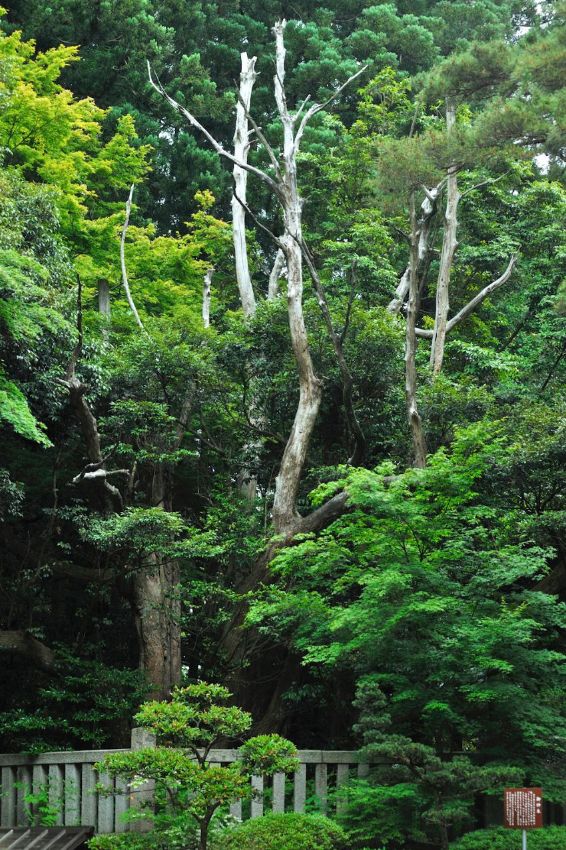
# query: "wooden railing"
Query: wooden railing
{"points": [[68, 781]]}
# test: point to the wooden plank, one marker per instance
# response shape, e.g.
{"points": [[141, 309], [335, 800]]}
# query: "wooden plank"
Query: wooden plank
{"points": [[23, 787], [236, 810], [278, 804], [105, 820], [8, 799], [321, 786], [363, 770], [88, 795], [342, 776], [300, 788], [56, 790], [66, 757], [257, 799], [121, 805], [39, 786], [72, 795]]}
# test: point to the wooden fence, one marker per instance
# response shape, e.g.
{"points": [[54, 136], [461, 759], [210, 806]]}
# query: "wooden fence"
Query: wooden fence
{"points": [[68, 781]]}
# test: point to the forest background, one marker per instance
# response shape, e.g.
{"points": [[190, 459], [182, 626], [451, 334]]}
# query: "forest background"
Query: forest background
{"points": [[389, 571]]}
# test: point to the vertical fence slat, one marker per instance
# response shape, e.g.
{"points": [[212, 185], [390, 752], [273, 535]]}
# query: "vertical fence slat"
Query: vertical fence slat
{"points": [[321, 785], [257, 799], [56, 791], [105, 806], [120, 806], [38, 786], [72, 795], [141, 797], [300, 789], [278, 792], [88, 796], [8, 799], [236, 810], [342, 776], [363, 770], [23, 778]]}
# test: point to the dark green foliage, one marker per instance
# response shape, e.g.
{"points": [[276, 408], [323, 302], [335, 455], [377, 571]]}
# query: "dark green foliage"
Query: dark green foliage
{"points": [[285, 832], [549, 838]]}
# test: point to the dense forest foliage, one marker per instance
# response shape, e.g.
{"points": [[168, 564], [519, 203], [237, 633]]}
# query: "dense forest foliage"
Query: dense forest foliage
{"points": [[284, 408]]}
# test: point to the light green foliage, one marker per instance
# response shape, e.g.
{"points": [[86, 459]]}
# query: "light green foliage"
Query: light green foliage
{"points": [[422, 588], [548, 838], [187, 784], [284, 832]]}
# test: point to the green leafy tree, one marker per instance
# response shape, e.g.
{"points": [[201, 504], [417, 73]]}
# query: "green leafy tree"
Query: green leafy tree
{"points": [[186, 729]]}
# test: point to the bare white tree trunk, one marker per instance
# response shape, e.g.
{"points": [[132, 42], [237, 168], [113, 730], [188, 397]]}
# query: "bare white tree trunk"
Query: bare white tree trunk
{"points": [[287, 482], [241, 148], [428, 211], [415, 422], [125, 282], [449, 245], [206, 297], [277, 272]]}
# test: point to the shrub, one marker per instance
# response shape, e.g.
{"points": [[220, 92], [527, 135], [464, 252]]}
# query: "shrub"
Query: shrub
{"points": [[285, 832], [549, 838]]}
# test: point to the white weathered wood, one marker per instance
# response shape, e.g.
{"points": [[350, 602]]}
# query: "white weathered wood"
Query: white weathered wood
{"points": [[206, 297], [413, 415], [321, 786], [257, 799], [241, 149], [300, 788], [23, 787], [277, 271], [278, 804], [88, 796], [72, 795], [65, 757], [56, 791], [342, 776], [8, 798], [38, 783]]}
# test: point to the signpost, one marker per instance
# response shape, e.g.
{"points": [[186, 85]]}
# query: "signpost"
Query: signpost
{"points": [[523, 809]]}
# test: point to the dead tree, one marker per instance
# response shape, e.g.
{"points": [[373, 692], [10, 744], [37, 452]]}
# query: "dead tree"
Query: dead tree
{"points": [[240, 174], [284, 185], [415, 422]]}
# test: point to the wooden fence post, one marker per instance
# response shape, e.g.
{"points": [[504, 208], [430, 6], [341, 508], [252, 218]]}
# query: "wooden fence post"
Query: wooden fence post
{"points": [[141, 797]]}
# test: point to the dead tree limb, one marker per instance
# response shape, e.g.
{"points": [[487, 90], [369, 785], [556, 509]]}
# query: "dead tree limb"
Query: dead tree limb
{"points": [[125, 283], [475, 301], [415, 422]]}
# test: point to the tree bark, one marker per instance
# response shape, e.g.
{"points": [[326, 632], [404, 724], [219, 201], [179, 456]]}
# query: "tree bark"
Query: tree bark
{"points": [[449, 245], [206, 297], [426, 219], [277, 272], [241, 148], [285, 514], [417, 431]]}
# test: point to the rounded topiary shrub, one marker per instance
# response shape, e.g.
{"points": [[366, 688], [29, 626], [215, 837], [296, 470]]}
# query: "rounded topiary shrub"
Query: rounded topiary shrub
{"points": [[284, 832], [548, 838]]}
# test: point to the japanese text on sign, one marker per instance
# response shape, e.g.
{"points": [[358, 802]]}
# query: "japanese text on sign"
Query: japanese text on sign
{"points": [[523, 807]]}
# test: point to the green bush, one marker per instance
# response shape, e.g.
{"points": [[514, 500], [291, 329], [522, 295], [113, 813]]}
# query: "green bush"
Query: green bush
{"points": [[549, 838], [284, 832]]}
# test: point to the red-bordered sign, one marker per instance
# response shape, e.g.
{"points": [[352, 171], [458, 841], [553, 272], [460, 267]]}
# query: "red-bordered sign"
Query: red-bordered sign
{"points": [[523, 808]]}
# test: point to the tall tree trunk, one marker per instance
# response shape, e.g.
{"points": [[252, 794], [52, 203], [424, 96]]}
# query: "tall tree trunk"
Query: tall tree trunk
{"points": [[277, 271], [449, 245], [241, 148], [206, 297], [285, 514], [417, 431], [157, 605]]}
